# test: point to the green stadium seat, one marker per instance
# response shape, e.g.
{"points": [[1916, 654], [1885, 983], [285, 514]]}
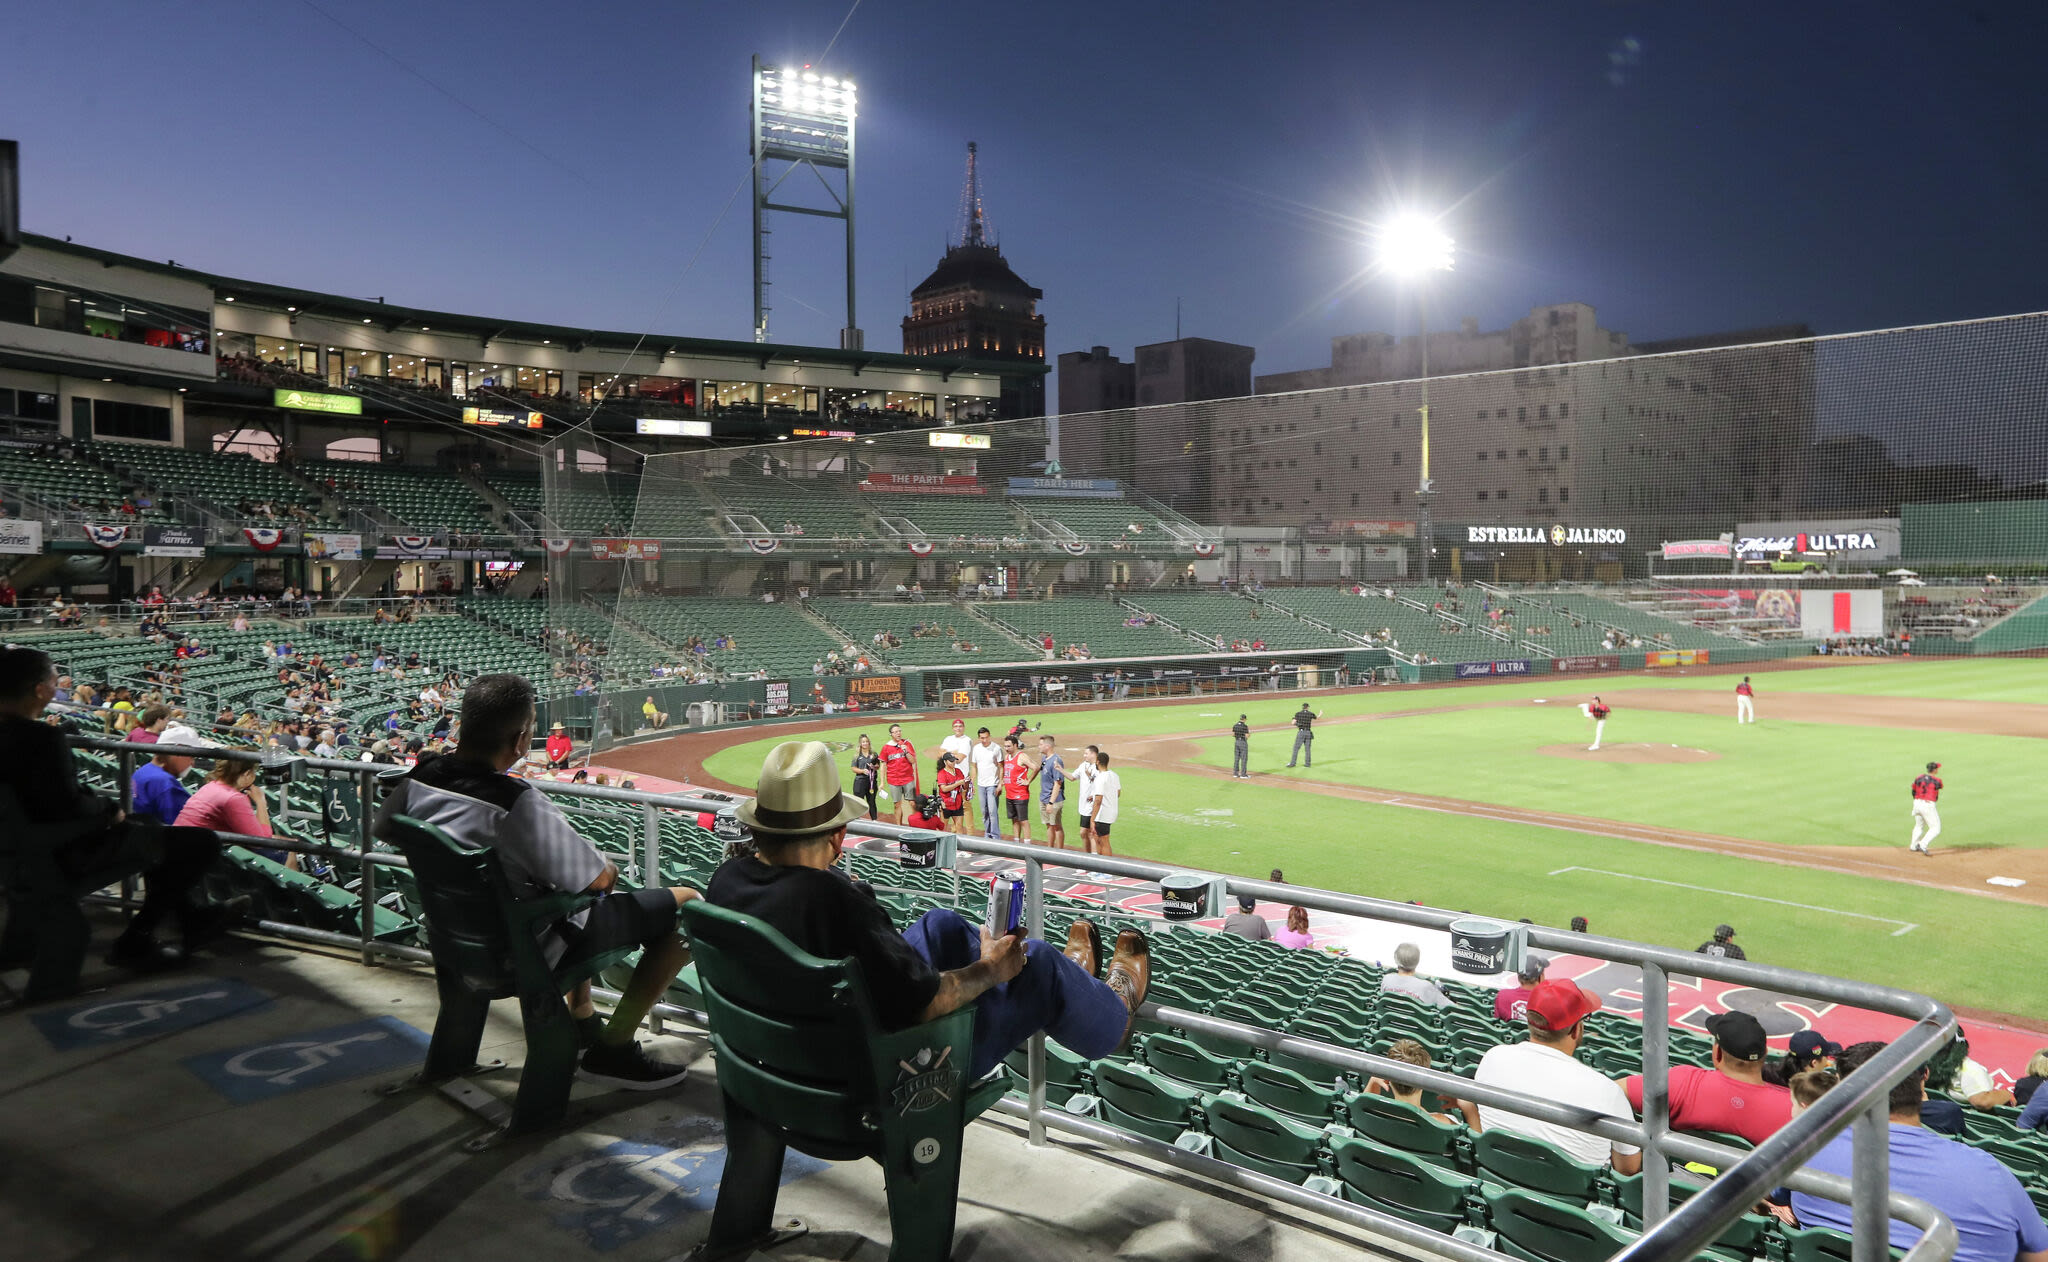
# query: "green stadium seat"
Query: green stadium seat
{"points": [[1066, 1074], [1285, 1091], [1187, 1063], [1539, 1228], [1144, 1102], [1527, 1162], [804, 1063], [1402, 1184], [1396, 1124], [1262, 1140]]}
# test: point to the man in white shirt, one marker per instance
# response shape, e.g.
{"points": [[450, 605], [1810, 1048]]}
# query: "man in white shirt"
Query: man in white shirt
{"points": [[1545, 1067], [958, 745], [1109, 791], [1084, 792], [986, 758]]}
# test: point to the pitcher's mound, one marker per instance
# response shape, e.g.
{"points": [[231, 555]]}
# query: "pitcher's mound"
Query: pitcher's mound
{"points": [[1631, 752]]}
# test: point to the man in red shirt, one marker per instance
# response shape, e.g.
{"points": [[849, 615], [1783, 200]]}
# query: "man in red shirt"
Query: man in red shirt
{"points": [[1017, 790], [1512, 1004], [1745, 702], [1926, 815], [899, 772], [1732, 1096], [559, 748]]}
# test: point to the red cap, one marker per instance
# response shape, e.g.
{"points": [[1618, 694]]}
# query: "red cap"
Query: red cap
{"points": [[1559, 1005]]}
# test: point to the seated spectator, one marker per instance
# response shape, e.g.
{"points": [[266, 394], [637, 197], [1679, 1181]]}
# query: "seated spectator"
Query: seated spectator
{"points": [[1807, 1051], [1410, 1052], [1546, 1066], [1403, 981], [1992, 1215], [36, 763], [1952, 1073], [2037, 1069], [150, 725], [1296, 933], [1246, 922], [1512, 1003], [1732, 1096], [156, 789], [940, 964], [232, 801], [468, 794]]}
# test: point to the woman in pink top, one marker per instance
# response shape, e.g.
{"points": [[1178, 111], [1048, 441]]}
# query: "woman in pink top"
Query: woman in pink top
{"points": [[231, 801], [1296, 933]]}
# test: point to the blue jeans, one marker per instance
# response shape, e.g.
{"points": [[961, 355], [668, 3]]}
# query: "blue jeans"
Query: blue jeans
{"points": [[1052, 994], [991, 809]]}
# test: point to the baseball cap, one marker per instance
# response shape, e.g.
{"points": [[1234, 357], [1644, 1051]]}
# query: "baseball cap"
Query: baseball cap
{"points": [[1739, 1034], [1723, 932], [184, 734], [1246, 902], [1810, 1044], [1560, 1005], [1934, 766], [1532, 969]]}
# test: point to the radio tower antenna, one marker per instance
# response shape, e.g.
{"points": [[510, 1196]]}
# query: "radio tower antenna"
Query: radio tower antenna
{"points": [[974, 227]]}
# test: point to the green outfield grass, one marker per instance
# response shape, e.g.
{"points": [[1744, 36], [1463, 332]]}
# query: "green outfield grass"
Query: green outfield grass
{"points": [[1791, 783]]}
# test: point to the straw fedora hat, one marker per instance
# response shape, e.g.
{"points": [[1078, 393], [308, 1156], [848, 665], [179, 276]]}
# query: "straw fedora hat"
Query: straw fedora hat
{"points": [[799, 793]]}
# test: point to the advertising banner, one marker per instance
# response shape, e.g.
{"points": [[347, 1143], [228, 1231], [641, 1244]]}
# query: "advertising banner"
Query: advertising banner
{"points": [[1069, 488], [309, 401], [1602, 662], [327, 547], [925, 483], [20, 538], [411, 548], [1470, 670], [1852, 538], [950, 438], [1698, 548], [1823, 615], [625, 549], [1676, 657], [173, 541], [778, 696], [1374, 529], [875, 690], [1557, 536]]}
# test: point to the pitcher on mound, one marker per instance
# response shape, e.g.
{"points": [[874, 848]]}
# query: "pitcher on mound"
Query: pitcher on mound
{"points": [[1596, 710]]}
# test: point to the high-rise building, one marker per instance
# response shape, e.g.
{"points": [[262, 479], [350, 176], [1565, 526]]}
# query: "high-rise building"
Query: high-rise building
{"points": [[1095, 381], [1563, 333], [1163, 451], [974, 306]]}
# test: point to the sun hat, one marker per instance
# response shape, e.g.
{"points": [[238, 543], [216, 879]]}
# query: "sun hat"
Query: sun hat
{"points": [[798, 794]]}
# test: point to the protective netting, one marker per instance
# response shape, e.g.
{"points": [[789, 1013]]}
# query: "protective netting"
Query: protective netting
{"points": [[1728, 470]]}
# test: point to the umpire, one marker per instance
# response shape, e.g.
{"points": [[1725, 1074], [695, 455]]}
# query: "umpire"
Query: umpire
{"points": [[1241, 750], [1304, 736]]}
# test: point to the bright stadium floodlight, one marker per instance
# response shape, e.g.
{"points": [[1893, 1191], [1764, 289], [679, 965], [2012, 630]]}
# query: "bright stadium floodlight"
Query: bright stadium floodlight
{"points": [[1413, 244], [1410, 246], [802, 118]]}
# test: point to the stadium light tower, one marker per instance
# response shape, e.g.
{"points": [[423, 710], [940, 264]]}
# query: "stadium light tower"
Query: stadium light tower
{"points": [[1409, 248], [801, 120]]}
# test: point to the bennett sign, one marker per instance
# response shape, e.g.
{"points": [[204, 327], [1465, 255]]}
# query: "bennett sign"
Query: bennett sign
{"points": [[1557, 536]]}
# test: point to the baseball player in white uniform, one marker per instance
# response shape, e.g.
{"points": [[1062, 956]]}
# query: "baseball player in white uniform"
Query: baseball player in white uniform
{"points": [[1596, 710], [1745, 702]]}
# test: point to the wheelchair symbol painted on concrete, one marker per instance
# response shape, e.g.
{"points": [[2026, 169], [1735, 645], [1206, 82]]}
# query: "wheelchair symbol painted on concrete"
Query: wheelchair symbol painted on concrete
{"points": [[637, 1184], [122, 1015], [281, 1064]]}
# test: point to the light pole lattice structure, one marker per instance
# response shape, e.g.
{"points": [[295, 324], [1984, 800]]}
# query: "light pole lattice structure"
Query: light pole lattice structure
{"points": [[801, 121], [1410, 247]]}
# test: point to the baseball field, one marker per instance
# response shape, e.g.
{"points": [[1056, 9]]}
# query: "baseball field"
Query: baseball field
{"points": [[1484, 797]]}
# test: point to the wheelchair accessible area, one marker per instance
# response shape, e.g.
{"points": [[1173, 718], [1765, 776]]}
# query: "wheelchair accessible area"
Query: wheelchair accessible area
{"points": [[259, 1105]]}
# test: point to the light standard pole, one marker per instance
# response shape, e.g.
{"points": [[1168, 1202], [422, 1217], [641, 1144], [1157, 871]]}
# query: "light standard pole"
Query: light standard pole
{"points": [[1411, 247]]}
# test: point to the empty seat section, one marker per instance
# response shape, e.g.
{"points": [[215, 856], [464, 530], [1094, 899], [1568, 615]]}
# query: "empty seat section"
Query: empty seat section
{"points": [[862, 620], [1232, 618]]}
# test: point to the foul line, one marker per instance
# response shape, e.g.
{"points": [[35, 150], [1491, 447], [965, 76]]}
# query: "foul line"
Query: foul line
{"points": [[1905, 926]]}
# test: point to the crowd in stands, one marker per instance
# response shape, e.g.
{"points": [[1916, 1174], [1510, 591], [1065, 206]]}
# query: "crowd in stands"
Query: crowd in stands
{"points": [[1864, 646]]}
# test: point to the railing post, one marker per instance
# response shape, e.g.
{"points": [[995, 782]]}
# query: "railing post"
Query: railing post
{"points": [[1871, 1167], [367, 805], [1656, 1094], [650, 870], [1034, 927]]}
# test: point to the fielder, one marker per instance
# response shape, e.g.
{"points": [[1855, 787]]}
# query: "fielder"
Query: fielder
{"points": [[1926, 792], [1596, 710], [1241, 750], [1745, 702]]}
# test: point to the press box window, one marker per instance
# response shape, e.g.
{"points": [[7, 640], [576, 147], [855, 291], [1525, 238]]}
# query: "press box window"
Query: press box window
{"points": [[130, 420]]}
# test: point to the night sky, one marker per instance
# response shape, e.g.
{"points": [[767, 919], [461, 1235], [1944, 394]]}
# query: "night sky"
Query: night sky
{"points": [[1685, 167]]}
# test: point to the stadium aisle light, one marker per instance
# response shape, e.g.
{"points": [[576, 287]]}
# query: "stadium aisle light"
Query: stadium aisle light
{"points": [[1410, 245]]}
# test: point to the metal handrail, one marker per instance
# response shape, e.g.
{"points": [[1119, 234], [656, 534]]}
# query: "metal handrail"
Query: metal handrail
{"points": [[1861, 1100]]}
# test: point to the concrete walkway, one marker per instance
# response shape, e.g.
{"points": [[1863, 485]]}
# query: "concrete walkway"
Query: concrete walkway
{"points": [[234, 1111]]}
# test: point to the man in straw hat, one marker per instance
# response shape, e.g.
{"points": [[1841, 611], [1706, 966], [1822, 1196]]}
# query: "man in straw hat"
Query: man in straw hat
{"points": [[559, 748], [940, 964], [468, 795]]}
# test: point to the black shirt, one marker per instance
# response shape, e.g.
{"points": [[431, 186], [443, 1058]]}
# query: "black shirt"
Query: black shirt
{"points": [[36, 763], [824, 914], [1303, 717], [1727, 950], [1240, 731], [864, 774]]}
